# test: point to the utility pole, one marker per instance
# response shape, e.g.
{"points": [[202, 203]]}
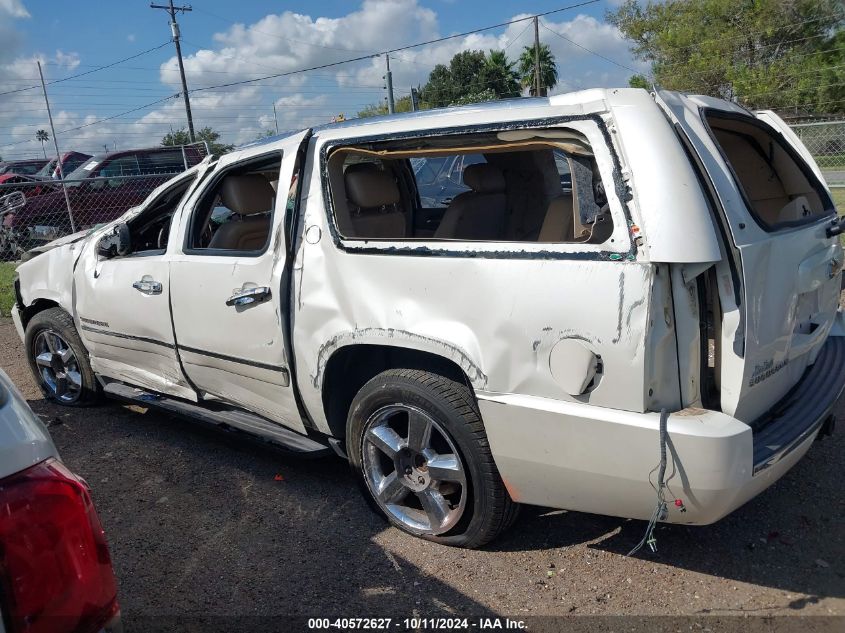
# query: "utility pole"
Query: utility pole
{"points": [[174, 29], [536, 56], [275, 118], [58, 154], [391, 107], [415, 96]]}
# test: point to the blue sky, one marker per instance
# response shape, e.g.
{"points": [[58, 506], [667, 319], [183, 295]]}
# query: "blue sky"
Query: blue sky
{"points": [[225, 41]]}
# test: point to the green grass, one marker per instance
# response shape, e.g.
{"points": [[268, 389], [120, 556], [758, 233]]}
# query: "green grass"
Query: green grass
{"points": [[833, 161], [839, 199], [7, 292]]}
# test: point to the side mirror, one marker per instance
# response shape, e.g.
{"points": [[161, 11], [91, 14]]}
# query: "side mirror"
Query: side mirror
{"points": [[117, 243]]}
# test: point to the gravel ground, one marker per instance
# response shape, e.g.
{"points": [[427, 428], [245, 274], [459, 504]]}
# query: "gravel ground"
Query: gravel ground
{"points": [[201, 521]]}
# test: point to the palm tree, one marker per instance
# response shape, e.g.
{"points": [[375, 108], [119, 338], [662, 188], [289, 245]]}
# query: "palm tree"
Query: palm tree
{"points": [[42, 135], [548, 69], [500, 76]]}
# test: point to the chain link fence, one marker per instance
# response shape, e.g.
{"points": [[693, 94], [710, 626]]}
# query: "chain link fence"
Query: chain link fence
{"points": [[33, 211], [826, 142]]}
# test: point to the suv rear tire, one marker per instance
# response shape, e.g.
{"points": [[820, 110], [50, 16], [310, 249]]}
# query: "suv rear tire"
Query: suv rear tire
{"points": [[58, 359], [417, 446]]}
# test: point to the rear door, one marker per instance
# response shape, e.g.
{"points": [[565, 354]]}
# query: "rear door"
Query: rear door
{"points": [[774, 211]]}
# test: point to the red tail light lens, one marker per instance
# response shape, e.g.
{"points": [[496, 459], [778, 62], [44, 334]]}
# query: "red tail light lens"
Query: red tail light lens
{"points": [[55, 568]]}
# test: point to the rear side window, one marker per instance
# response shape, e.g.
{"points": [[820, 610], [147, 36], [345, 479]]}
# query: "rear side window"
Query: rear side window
{"points": [[477, 187], [780, 189]]}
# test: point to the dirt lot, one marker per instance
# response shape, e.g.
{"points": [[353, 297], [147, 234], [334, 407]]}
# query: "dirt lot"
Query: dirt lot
{"points": [[205, 522]]}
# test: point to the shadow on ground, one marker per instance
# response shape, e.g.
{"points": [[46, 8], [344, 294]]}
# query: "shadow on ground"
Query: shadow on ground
{"points": [[216, 522]]}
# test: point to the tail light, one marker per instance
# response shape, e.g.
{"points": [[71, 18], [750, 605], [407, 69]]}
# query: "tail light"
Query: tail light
{"points": [[55, 568]]}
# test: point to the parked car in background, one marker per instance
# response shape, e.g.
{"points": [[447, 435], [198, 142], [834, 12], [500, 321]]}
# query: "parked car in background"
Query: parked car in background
{"points": [[99, 190], [23, 167], [631, 310], [55, 570], [32, 185], [70, 161]]}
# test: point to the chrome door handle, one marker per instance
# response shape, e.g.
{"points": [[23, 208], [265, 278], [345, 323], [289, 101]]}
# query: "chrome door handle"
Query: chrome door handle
{"points": [[249, 295], [148, 287]]}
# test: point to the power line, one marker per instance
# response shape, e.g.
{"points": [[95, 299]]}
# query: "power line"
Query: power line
{"points": [[573, 42], [397, 49], [88, 72], [98, 121]]}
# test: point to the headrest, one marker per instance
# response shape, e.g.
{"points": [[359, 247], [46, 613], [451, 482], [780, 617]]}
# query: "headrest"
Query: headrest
{"points": [[367, 186], [247, 194], [484, 178]]}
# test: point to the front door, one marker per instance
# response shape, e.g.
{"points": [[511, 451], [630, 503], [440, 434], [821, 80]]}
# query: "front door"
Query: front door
{"points": [[226, 284], [122, 304]]}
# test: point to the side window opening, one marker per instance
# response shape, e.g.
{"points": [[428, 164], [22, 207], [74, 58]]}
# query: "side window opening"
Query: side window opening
{"points": [[236, 214], [779, 189], [150, 231], [470, 188]]}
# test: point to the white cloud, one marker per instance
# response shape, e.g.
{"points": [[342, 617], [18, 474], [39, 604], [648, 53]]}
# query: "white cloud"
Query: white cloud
{"points": [[290, 41], [14, 8], [66, 60], [130, 37]]}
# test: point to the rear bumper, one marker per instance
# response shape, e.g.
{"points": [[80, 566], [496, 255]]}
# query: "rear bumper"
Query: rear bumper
{"points": [[591, 459], [805, 408]]}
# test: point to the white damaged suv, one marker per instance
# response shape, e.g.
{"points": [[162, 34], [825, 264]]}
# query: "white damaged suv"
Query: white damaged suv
{"points": [[625, 281]]}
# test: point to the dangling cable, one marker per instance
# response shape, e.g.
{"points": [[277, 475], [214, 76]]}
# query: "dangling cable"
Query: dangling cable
{"points": [[660, 510]]}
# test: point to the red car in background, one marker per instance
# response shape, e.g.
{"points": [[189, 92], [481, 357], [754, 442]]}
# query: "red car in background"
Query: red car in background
{"points": [[23, 167], [70, 161], [99, 190]]}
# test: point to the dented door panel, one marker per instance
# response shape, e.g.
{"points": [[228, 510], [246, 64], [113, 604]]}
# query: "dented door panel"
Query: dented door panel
{"points": [[128, 333], [497, 317], [122, 307]]}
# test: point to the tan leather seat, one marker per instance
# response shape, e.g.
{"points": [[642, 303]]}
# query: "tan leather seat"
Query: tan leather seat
{"points": [[373, 197], [559, 221], [251, 197], [479, 214]]}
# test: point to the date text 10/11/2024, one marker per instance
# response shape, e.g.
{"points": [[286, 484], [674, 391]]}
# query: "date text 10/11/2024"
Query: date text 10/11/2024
{"points": [[415, 624]]}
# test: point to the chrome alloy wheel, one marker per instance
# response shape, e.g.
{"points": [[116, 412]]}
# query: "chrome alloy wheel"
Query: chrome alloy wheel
{"points": [[57, 366], [413, 469]]}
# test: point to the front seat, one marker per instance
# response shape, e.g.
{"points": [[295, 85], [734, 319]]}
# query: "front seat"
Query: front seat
{"points": [[374, 198], [251, 197], [479, 214]]}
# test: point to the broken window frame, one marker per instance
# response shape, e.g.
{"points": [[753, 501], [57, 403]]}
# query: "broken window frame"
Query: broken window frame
{"points": [[829, 210], [619, 246]]}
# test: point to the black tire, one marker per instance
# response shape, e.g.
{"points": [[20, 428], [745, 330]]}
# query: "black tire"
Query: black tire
{"points": [[58, 321], [489, 509]]}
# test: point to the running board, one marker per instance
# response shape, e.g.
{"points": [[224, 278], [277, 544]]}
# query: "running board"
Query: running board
{"points": [[223, 417]]}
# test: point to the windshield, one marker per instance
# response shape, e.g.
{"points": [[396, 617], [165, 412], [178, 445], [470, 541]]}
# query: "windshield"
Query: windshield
{"points": [[84, 170], [47, 170]]}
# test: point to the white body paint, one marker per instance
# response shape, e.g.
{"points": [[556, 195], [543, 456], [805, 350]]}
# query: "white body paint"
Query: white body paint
{"points": [[627, 309]]}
